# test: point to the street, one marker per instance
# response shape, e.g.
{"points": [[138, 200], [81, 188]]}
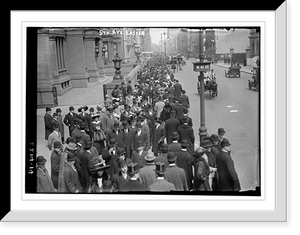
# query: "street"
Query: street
{"points": [[236, 109]]}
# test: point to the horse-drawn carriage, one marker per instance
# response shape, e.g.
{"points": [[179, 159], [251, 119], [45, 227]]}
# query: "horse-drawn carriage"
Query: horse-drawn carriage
{"points": [[255, 76], [210, 84], [233, 71]]}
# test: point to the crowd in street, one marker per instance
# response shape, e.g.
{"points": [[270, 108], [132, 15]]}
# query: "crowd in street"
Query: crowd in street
{"points": [[140, 139]]}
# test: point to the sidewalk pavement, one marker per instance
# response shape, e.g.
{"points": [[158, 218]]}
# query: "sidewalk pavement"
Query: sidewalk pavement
{"points": [[244, 69], [92, 95]]}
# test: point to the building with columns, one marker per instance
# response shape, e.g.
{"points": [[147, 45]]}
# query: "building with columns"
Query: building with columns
{"points": [[74, 57]]}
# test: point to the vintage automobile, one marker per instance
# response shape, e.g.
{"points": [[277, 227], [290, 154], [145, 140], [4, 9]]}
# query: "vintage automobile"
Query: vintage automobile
{"points": [[233, 71], [209, 85], [256, 78]]}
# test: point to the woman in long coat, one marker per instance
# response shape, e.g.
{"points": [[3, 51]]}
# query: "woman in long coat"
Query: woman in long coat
{"points": [[96, 128]]}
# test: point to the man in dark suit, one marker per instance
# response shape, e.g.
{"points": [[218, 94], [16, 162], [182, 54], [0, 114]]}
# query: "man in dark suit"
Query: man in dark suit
{"points": [[162, 157], [84, 116], [180, 109], [133, 185], [122, 176], [48, 123], [174, 146], [82, 136], [184, 160], [227, 177], [69, 120], [71, 177], [186, 132], [118, 135], [138, 134], [109, 153], [185, 100], [147, 173], [171, 125], [128, 139], [190, 120], [158, 136], [175, 174], [178, 89], [138, 155]]}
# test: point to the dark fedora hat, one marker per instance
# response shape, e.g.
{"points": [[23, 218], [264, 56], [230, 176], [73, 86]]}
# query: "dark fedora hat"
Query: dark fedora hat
{"points": [[214, 137], [140, 143], [199, 152], [185, 119], [174, 135], [71, 108], [206, 144], [121, 151], [40, 160], [133, 168], [164, 147], [225, 142], [48, 109], [171, 156], [58, 110], [157, 120], [121, 162], [112, 142], [87, 144], [221, 131], [71, 157], [184, 143], [160, 167], [57, 144]]}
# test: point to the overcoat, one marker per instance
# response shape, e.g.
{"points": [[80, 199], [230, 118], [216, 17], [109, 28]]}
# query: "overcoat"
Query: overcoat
{"points": [[184, 160], [227, 177], [69, 121], [132, 186], [143, 137], [55, 162], [85, 178], [128, 142], [81, 136], [118, 180], [147, 174], [44, 182], [61, 125], [177, 90], [54, 136], [174, 147], [171, 125], [158, 107], [176, 176], [120, 138], [189, 122], [201, 176], [161, 185], [162, 158], [109, 159], [187, 132], [71, 179], [158, 138], [48, 125], [139, 159], [99, 145], [185, 101]]}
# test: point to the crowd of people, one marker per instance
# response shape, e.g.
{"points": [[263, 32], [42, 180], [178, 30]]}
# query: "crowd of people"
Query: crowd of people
{"points": [[140, 139]]}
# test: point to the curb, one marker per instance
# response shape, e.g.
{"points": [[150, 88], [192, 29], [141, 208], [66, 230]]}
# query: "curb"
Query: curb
{"points": [[243, 71]]}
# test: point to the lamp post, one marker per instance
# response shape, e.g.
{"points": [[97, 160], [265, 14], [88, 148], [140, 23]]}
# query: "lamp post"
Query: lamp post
{"points": [[201, 67], [117, 65]]}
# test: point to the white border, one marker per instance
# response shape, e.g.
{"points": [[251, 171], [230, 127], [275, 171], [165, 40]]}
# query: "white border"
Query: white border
{"points": [[269, 207]]}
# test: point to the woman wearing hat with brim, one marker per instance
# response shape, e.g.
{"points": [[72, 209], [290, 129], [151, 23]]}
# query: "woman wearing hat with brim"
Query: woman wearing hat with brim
{"points": [[99, 135], [97, 169]]}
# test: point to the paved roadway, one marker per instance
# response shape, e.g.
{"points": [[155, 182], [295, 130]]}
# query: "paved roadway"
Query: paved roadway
{"points": [[236, 109]]}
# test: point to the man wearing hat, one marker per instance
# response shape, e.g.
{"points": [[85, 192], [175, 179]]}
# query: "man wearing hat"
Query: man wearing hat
{"points": [[133, 184], [162, 157], [174, 146], [161, 185], [121, 177], [121, 155], [109, 153], [185, 100], [159, 106], [147, 173], [184, 160], [190, 120], [48, 123], [216, 148], [211, 159], [128, 139], [171, 125], [54, 136], [158, 136], [202, 171], [61, 125], [69, 119], [82, 136], [44, 183], [138, 155], [186, 132], [55, 162], [117, 134], [108, 119], [71, 177], [139, 135], [146, 128], [221, 133], [227, 177], [175, 174]]}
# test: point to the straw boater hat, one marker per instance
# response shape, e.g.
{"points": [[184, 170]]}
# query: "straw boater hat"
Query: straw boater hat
{"points": [[150, 157]]}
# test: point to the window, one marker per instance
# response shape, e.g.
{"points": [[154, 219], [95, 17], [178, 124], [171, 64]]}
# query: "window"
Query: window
{"points": [[115, 48], [60, 55]]}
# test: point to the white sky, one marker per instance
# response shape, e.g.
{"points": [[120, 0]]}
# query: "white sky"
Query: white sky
{"points": [[155, 34]]}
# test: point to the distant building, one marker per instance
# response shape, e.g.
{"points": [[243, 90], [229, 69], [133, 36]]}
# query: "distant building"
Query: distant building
{"points": [[254, 43]]}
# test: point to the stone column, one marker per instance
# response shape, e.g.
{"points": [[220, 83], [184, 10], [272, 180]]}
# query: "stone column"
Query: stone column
{"points": [[76, 58], [90, 57], [44, 71], [100, 62]]}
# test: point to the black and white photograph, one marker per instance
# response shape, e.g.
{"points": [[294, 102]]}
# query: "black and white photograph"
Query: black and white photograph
{"points": [[145, 110], [169, 116]]}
